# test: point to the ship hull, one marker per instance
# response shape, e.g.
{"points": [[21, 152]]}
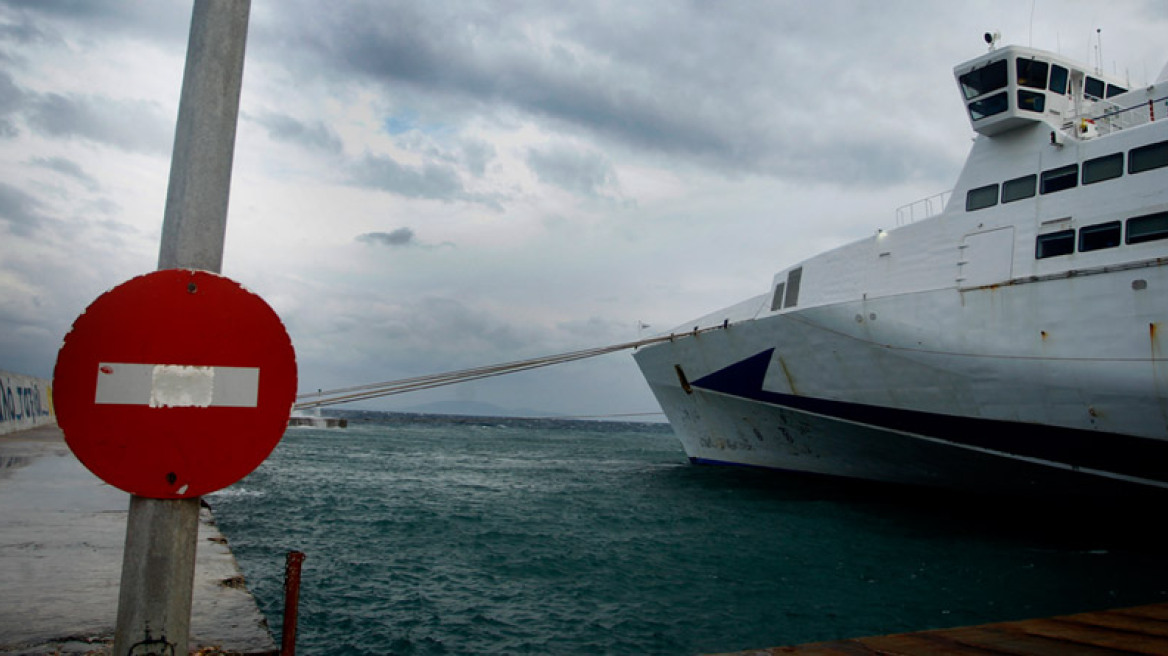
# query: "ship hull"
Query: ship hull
{"points": [[991, 389]]}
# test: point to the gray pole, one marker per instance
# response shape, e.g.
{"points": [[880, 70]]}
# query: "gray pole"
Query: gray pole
{"points": [[158, 565], [204, 140]]}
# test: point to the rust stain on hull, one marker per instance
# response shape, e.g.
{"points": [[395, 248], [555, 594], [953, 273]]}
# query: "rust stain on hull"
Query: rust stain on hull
{"points": [[788, 376], [682, 379]]}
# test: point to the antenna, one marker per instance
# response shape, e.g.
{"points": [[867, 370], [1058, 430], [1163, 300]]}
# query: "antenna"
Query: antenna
{"points": [[1030, 36], [1099, 51]]}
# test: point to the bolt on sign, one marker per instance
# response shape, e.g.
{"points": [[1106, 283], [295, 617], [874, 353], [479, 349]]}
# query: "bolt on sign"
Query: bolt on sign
{"points": [[175, 384]]}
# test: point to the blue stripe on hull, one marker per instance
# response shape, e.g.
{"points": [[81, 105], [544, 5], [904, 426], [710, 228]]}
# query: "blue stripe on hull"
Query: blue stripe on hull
{"points": [[1123, 455]]}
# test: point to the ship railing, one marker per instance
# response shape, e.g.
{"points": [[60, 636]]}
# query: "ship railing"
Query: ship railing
{"points": [[922, 209], [1109, 117]]}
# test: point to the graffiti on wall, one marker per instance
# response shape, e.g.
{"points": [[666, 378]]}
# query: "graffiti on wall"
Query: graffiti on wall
{"points": [[24, 402]]}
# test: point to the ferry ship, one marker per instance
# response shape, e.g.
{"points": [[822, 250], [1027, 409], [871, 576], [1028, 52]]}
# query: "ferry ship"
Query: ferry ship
{"points": [[1009, 336]]}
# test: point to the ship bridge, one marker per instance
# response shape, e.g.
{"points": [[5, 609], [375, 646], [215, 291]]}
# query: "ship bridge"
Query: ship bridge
{"points": [[1010, 87]]}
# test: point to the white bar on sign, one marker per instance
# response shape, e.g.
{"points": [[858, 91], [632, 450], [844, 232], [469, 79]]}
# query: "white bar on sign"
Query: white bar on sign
{"points": [[176, 386], [236, 387]]}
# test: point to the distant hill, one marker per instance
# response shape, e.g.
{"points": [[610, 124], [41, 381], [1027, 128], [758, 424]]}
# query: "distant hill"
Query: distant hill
{"points": [[474, 409]]}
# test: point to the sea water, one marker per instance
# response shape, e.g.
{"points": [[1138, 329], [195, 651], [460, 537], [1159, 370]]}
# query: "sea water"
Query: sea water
{"points": [[430, 535]]}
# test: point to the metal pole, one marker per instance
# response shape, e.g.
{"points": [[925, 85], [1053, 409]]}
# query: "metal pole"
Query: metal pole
{"points": [[158, 565], [291, 602]]}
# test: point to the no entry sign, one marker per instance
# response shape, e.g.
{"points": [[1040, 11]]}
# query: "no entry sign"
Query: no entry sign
{"points": [[175, 384]]}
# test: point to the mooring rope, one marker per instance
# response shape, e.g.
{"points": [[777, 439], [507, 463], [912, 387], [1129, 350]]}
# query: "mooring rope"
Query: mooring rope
{"points": [[388, 388]]}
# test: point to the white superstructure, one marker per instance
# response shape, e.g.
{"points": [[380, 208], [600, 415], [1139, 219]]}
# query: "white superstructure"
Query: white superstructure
{"points": [[1011, 341]]}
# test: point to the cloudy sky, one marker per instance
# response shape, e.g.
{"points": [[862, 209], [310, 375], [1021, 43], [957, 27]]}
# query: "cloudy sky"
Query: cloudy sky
{"points": [[428, 186]]}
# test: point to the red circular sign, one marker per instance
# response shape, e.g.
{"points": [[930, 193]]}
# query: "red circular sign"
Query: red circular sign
{"points": [[175, 384]]}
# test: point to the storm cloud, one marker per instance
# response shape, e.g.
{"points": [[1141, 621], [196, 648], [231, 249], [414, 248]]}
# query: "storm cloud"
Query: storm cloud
{"points": [[315, 135], [20, 210], [583, 173], [133, 125], [396, 238]]}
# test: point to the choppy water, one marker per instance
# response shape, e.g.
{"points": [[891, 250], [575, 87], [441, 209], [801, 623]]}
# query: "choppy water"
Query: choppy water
{"points": [[429, 536]]}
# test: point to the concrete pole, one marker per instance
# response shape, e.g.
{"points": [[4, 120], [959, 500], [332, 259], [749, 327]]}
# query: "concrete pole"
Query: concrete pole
{"points": [[204, 140], [158, 565]]}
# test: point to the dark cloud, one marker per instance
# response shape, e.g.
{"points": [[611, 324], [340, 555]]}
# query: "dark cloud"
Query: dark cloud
{"points": [[734, 86], [19, 210], [398, 238], [153, 21], [469, 335], [476, 155], [11, 99], [429, 180], [132, 125], [68, 168], [316, 135], [582, 173], [21, 31]]}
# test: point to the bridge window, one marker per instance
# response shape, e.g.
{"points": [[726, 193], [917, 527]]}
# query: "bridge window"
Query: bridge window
{"points": [[1113, 90], [995, 104], [981, 81], [1150, 227], [1060, 179], [1019, 188], [1058, 79], [1103, 235], [1031, 101], [793, 280], [1054, 244], [981, 198], [1146, 158], [1093, 88], [1102, 168], [1031, 73], [777, 301]]}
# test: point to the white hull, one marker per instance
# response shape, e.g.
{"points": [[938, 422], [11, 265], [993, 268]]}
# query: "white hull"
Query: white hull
{"points": [[984, 391]]}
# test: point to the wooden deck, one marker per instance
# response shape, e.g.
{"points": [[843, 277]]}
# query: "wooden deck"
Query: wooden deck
{"points": [[1138, 630]]}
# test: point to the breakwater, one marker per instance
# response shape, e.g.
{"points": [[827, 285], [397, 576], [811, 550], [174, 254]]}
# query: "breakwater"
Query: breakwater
{"points": [[25, 402]]}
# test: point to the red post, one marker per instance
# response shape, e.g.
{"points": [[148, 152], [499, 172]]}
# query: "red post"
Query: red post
{"points": [[291, 602]]}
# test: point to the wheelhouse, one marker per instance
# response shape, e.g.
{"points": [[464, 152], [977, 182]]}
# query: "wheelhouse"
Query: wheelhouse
{"points": [[1011, 87]]}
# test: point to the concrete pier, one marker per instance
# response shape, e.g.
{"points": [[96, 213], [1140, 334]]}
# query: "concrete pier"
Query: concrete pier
{"points": [[62, 533], [1119, 632]]}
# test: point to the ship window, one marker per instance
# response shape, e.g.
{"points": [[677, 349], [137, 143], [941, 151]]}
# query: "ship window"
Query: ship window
{"points": [[1103, 235], [995, 104], [1113, 90], [1058, 79], [1102, 168], [1147, 228], [1093, 88], [793, 280], [1060, 179], [1146, 158], [1031, 101], [777, 301], [981, 198], [1019, 188], [1055, 244], [981, 81], [1031, 73]]}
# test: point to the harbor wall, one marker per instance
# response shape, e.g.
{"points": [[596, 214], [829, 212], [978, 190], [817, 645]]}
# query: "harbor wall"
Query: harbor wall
{"points": [[25, 402]]}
